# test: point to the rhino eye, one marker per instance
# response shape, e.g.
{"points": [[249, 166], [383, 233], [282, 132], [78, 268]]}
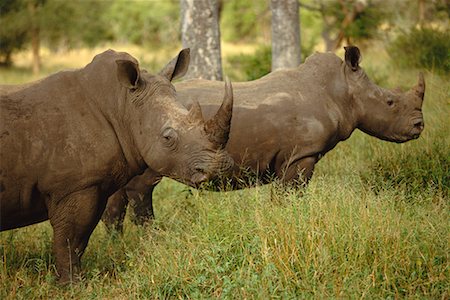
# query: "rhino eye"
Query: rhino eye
{"points": [[170, 137], [390, 102]]}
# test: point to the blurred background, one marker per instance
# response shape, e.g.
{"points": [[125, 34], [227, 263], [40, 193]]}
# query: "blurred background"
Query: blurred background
{"points": [[38, 37], [373, 222]]}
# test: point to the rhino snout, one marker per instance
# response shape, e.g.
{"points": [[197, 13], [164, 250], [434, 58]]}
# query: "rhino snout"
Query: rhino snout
{"points": [[216, 164], [418, 124], [417, 129], [199, 177]]}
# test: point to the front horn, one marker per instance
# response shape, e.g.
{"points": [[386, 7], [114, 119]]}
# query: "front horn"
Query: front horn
{"points": [[218, 127], [419, 89]]}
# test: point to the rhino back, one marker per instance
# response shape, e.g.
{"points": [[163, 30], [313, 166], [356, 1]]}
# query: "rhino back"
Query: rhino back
{"points": [[290, 111]]}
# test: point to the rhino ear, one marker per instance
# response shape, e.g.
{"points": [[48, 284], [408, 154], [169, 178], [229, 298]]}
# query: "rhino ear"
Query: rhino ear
{"points": [[178, 66], [352, 57], [128, 73]]}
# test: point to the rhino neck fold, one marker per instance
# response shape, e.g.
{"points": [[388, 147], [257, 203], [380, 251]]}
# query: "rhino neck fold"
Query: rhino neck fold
{"points": [[341, 106], [108, 101], [354, 109]]}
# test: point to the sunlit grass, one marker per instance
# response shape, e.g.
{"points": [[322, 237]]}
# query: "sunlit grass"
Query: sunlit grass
{"points": [[373, 223]]}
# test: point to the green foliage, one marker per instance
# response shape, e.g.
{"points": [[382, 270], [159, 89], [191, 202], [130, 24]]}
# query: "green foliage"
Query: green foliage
{"points": [[13, 29], [422, 48], [244, 19], [68, 23], [154, 23], [245, 67], [86, 23], [366, 24], [310, 31], [74, 23], [252, 66]]}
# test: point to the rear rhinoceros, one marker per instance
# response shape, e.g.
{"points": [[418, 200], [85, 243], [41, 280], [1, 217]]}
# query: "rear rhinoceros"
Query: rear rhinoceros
{"points": [[286, 121], [72, 139]]}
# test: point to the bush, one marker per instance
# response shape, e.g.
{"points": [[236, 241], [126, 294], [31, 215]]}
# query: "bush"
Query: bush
{"points": [[253, 66], [423, 48], [247, 67], [243, 20]]}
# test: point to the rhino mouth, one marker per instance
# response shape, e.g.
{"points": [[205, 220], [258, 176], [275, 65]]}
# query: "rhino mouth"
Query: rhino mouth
{"points": [[198, 178], [201, 176], [413, 132], [417, 128]]}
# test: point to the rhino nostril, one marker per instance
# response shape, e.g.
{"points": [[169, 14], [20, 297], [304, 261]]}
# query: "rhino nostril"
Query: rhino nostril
{"points": [[199, 178], [199, 170], [418, 124]]}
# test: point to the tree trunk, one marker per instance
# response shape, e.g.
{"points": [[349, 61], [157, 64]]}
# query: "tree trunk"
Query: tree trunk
{"points": [[35, 39], [285, 34], [421, 12], [200, 32]]}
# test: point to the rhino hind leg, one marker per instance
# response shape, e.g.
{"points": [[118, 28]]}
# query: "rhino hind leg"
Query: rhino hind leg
{"points": [[115, 211], [73, 220], [142, 206]]}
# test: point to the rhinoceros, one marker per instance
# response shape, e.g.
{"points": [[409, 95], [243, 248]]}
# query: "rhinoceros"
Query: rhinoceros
{"points": [[284, 122], [71, 140]]}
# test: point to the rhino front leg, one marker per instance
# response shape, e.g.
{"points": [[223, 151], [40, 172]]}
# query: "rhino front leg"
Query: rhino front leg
{"points": [[115, 211], [143, 206], [73, 219], [299, 171]]}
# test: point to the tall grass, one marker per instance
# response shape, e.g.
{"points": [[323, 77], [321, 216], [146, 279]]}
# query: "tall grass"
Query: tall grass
{"points": [[373, 223]]}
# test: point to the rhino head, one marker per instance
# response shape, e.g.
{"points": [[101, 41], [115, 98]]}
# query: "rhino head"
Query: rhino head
{"points": [[171, 140], [387, 114]]}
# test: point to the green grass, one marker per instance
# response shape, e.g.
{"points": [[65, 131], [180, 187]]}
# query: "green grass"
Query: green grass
{"points": [[373, 223]]}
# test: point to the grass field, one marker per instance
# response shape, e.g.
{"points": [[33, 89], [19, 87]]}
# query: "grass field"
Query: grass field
{"points": [[373, 223]]}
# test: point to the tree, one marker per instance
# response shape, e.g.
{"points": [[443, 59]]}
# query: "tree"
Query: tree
{"points": [[285, 34], [349, 20], [34, 32], [245, 20], [13, 29], [32, 22], [145, 23], [200, 32]]}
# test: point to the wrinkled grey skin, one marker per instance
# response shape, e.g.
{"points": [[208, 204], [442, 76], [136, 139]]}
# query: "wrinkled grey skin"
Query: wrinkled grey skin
{"points": [[71, 140], [286, 121]]}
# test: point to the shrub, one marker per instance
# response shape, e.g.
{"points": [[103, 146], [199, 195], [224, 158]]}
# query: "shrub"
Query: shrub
{"points": [[247, 67], [422, 48], [253, 66]]}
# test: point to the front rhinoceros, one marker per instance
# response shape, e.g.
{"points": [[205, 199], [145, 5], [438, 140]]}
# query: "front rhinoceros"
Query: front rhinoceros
{"points": [[72, 139], [286, 121]]}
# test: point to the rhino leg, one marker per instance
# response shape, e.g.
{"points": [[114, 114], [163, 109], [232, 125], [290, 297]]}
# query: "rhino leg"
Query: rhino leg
{"points": [[299, 171], [73, 219], [143, 206], [115, 210]]}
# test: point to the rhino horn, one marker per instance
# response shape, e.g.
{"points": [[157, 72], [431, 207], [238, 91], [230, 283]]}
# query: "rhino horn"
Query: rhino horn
{"points": [[218, 127], [419, 89], [195, 113]]}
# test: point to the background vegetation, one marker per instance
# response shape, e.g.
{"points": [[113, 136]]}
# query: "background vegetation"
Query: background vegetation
{"points": [[373, 223]]}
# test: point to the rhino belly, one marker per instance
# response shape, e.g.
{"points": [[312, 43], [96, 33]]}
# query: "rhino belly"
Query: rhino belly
{"points": [[21, 205]]}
